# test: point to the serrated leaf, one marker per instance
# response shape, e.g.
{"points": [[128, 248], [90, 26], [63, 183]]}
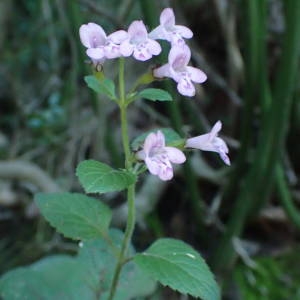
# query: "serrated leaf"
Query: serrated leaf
{"points": [[179, 266], [171, 137], [101, 86], [85, 276], [75, 215], [97, 177], [155, 95], [54, 277], [100, 260]]}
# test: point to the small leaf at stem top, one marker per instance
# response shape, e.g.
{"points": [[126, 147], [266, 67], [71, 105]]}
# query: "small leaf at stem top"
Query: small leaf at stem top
{"points": [[101, 86], [155, 95]]}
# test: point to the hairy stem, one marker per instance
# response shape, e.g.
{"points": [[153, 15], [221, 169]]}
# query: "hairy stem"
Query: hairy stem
{"points": [[131, 189]]}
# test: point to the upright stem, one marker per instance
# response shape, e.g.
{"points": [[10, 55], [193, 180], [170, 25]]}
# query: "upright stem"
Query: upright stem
{"points": [[131, 189]]}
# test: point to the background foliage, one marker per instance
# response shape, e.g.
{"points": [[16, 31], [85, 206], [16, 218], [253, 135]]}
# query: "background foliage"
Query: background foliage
{"points": [[244, 219]]}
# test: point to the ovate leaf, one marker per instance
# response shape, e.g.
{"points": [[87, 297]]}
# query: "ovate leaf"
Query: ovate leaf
{"points": [[101, 86], [179, 266], [155, 95], [97, 177], [74, 215], [172, 138], [99, 259], [54, 277], [85, 276]]}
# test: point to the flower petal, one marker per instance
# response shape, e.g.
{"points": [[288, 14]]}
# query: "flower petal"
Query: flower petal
{"points": [[186, 88], [199, 142], [118, 36], [112, 50], [126, 48], [196, 74], [220, 145], [95, 53], [184, 31], [165, 173], [163, 71], [137, 31], [175, 155], [152, 165], [141, 54], [225, 158], [179, 57], [160, 139], [150, 142], [167, 18], [92, 35], [215, 130], [158, 33], [153, 47]]}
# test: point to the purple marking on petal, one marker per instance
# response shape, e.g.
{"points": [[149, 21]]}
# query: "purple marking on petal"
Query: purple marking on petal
{"points": [[137, 32], [126, 49], [179, 57], [186, 88], [154, 47], [158, 157]]}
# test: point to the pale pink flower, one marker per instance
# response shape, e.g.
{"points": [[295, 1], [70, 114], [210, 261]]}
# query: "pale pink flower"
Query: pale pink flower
{"points": [[99, 46], [158, 157], [167, 30], [177, 68], [138, 43], [210, 142]]}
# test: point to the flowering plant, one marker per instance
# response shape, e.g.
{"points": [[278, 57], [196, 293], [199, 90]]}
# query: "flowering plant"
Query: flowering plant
{"points": [[107, 266]]}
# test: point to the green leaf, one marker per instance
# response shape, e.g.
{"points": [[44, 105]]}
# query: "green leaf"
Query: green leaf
{"points": [[101, 86], [55, 277], [179, 266], [97, 177], [74, 215], [85, 276], [155, 95], [171, 137], [100, 261]]}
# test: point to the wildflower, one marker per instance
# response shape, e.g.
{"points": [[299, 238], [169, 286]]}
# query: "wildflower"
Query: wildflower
{"points": [[159, 157], [99, 46], [177, 68], [138, 43], [210, 142], [167, 30]]}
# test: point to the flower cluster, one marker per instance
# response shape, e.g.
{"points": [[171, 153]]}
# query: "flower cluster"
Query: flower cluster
{"points": [[143, 45], [140, 44], [135, 41], [158, 157]]}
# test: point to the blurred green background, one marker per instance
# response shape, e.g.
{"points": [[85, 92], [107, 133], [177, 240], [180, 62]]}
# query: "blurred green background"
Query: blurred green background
{"points": [[245, 219]]}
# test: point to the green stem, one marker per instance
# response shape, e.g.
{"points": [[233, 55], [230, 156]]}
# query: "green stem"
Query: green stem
{"points": [[131, 189], [128, 234]]}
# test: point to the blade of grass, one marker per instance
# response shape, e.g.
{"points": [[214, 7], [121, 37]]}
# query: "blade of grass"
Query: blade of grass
{"points": [[258, 182]]}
